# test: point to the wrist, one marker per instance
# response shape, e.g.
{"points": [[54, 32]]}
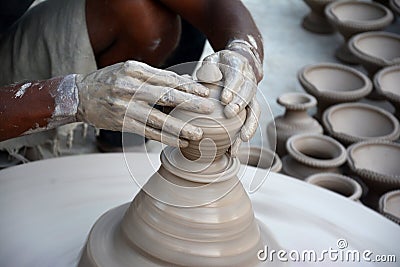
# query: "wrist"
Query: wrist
{"points": [[250, 53], [66, 100]]}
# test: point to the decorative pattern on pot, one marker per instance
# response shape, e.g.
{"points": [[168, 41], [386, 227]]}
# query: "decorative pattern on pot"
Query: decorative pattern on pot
{"points": [[387, 83], [340, 184], [389, 205], [316, 21], [312, 153], [377, 164], [353, 17], [260, 157], [295, 120], [354, 122], [333, 83], [376, 50]]}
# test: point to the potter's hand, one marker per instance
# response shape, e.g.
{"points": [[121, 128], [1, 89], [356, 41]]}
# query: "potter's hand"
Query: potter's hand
{"points": [[241, 69], [130, 89]]}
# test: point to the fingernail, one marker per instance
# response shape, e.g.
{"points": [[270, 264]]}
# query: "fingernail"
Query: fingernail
{"points": [[231, 110], [192, 133], [226, 97]]}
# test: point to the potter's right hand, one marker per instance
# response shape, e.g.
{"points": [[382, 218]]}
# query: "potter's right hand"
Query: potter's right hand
{"points": [[131, 89]]}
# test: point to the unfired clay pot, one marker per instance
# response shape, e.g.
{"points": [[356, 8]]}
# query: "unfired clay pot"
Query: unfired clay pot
{"points": [[376, 50], [333, 83], [389, 205], [295, 120], [192, 212], [377, 163], [337, 183], [387, 83], [354, 122], [316, 21], [395, 6], [352, 17], [312, 153], [260, 157]]}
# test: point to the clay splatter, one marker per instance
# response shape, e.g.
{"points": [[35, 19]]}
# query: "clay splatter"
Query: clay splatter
{"points": [[22, 90]]}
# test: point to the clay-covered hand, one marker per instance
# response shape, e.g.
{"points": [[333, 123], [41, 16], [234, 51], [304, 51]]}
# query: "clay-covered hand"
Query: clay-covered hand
{"points": [[241, 70], [131, 89]]}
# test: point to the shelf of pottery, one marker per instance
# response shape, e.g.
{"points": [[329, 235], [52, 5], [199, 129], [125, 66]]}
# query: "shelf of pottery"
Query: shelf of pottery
{"points": [[350, 145]]}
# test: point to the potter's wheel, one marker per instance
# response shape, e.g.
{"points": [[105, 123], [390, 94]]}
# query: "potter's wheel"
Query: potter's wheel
{"points": [[48, 207]]}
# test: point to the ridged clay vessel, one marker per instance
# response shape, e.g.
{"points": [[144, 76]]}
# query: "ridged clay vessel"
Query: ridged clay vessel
{"points": [[376, 163], [316, 21], [340, 184], [389, 205], [353, 122], [386, 83], [376, 50], [260, 157], [353, 17], [309, 154], [333, 83], [295, 120], [192, 212]]}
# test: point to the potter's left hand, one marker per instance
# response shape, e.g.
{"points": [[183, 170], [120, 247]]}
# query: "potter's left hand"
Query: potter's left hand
{"points": [[241, 68]]}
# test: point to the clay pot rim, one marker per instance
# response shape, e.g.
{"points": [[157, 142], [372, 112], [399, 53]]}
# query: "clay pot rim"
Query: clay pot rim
{"points": [[392, 180], [336, 95], [359, 24], [318, 163], [395, 6], [382, 203], [352, 44], [349, 139], [378, 77], [311, 101], [276, 165], [327, 176]]}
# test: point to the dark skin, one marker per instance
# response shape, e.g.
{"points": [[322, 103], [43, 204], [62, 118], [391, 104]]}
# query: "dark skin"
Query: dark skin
{"points": [[142, 30]]}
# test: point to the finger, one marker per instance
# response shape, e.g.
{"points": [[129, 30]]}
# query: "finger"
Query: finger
{"points": [[148, 74], [232, 69], [234, 149], [174, 98], [250, 125], [137, 127], [241, 99], [156, 119]]}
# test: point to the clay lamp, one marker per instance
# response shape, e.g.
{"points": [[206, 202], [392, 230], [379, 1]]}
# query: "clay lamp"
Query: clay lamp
{"points": [[376, 163], [333, 83], [337, 183], [386, 83], [376, 50], [395, 6], [353, 17], [354, 122], [312, 153], [260, 157], [316, 20], [389, 205]]}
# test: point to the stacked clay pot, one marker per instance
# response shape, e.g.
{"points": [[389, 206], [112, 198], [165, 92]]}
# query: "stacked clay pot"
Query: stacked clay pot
{"points": [[309, 154], [316, 21], [353, 17], [295, 120], [333, 83]]}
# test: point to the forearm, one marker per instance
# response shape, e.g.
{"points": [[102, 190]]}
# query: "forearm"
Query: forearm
{"points": [[227, 24], [35, 106]]}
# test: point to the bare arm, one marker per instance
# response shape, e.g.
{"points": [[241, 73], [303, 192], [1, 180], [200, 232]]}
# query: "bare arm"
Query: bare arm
{"points": [[223, 22], [26, 107]]}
